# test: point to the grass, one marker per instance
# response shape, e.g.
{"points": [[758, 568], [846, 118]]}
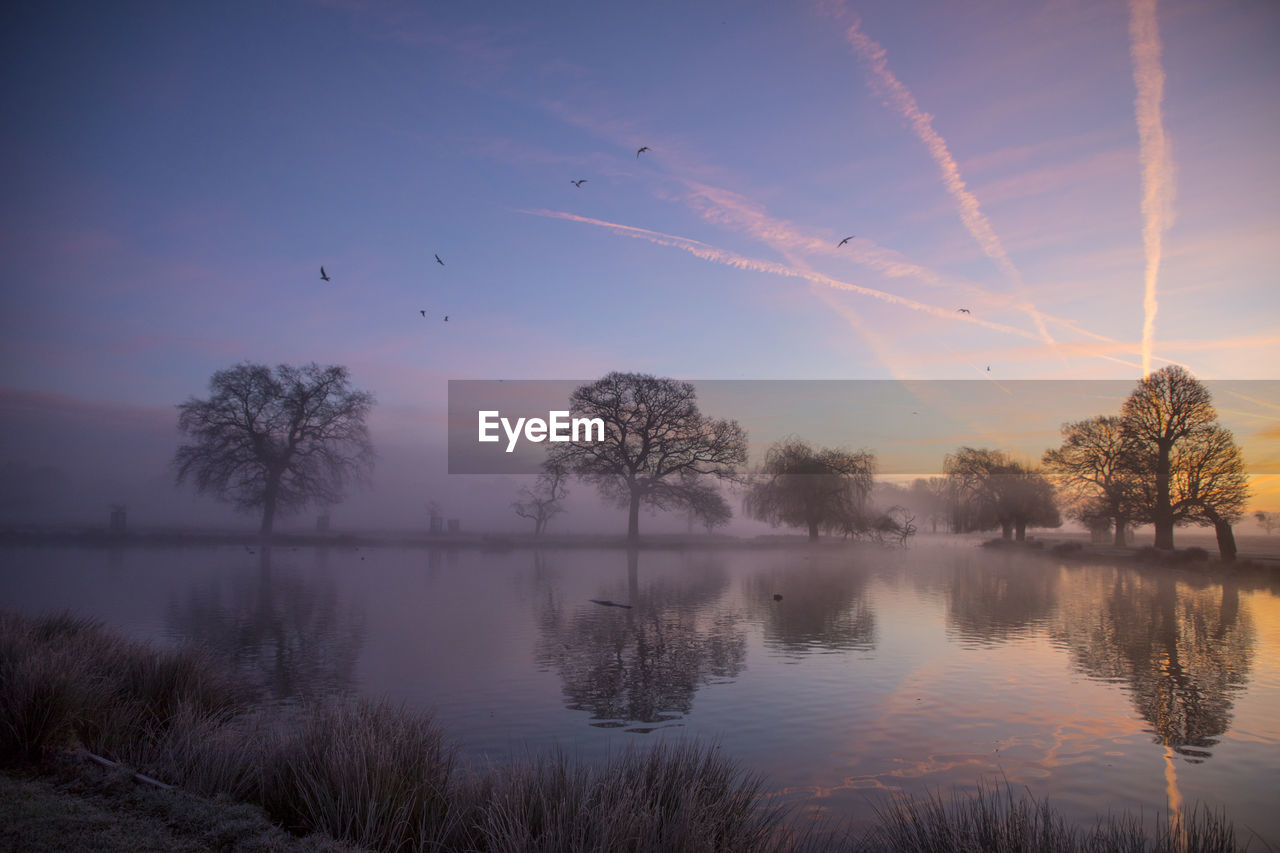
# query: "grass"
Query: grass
{"points": [[997, 820], [384, 777]]}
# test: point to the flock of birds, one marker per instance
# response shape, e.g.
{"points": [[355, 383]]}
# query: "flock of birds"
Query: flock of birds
{"points": [[578, 183]]}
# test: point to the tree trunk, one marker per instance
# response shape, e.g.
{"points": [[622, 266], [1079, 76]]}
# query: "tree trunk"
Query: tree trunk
{"points": [[1226, 540], [268, 509], [538, 524], [1163, 509], [633, 518], [1121, 523], [813, 531], [1021, 529], [1006, 529]]}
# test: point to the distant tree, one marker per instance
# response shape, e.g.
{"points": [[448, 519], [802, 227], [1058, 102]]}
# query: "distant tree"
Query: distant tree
{"points": [[815, 489], [1269, 520], [277, 440], [896, 524], [1095, 470], [929, 497], [545, 500], [658, 447], [706, 506], [990, 490], [1167, 408]]}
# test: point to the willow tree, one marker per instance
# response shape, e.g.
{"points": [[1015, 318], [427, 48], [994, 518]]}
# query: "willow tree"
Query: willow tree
{"points": [[658, 450], [825, 489], [276, 440], [991, 490]]}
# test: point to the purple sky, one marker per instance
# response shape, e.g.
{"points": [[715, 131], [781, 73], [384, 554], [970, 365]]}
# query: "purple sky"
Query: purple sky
{"points": [[1098, 183]]}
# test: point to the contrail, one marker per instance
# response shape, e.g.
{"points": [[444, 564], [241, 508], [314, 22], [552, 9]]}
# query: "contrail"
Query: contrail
{"points": [[922, 123], [1153, 154], [726, 208], [711, 253]]}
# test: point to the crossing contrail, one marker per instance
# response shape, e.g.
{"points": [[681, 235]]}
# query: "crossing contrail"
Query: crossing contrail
{"points": [[1153, 154], [900, 97], [733, 259]]}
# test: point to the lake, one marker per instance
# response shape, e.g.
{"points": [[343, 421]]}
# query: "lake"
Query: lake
{"points": [[878, 671]]}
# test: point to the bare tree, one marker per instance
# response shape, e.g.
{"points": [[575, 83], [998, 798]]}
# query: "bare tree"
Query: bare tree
{"points": [[1269, 520], [1095, 470], [993, 491], [276, 440], [657, 448], [1209, 485], [816, 489], [545, 500], [708, 507], [1167, 407]]}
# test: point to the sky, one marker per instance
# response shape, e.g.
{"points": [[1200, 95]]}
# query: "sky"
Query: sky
{"points": [[1096, 184]]}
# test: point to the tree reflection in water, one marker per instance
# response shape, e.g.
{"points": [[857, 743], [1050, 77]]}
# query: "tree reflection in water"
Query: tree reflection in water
{"points": [[1183, 648], [823, 606], [643, 664], [283, 631], [993, 598]]}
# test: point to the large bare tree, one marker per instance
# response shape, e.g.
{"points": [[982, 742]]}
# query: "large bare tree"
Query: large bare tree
{"points": [[818, 490], [1168, 407], [276, 440], [1095, 469], [658, 448], [1208, 484]]}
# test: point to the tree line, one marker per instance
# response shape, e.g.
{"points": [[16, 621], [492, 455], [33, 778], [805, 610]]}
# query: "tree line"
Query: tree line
{"points": [[271, 441]]}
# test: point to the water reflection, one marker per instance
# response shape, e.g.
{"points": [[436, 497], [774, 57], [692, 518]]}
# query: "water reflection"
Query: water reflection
{"points": [[1183, 650], [282, 629], [992, 599], [645, 662], [822, 606]]}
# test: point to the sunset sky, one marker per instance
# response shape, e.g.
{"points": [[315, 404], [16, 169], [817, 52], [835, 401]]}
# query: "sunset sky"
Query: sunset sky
{"points": [[1097, 183]]}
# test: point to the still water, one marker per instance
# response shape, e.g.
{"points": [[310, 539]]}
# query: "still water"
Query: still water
{"points": [[878, 671]]}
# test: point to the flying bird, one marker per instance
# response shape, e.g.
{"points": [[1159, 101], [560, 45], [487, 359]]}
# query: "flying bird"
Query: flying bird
{"points": [[438, 261], [423, 312], [962, 310], [446, 318], [579, 184], [643, 149], [845, 240], [322, 274]]}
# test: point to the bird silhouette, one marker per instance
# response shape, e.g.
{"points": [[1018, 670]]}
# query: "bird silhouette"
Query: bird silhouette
{"points": [[446, 318], [423, 312], [643, 149], [988, 368], [579, 184], [438, 261], [323, 276], [845, 240], [962, 310]]}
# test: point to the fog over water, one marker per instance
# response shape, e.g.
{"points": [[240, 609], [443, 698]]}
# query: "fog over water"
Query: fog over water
{"points": [[877, 671]]}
